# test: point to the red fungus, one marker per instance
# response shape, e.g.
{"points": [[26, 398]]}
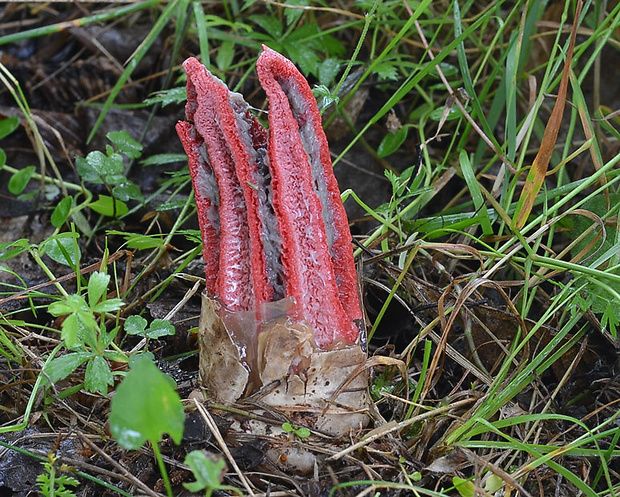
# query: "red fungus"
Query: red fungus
{"points": [[280, 228], [316, 248]]}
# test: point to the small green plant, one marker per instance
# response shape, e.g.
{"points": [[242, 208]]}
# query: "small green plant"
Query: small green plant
{"points": [[109, 169], [208, 472], [52, 484], [300, 431], [146, 406], [137, 325], [82, 333]]}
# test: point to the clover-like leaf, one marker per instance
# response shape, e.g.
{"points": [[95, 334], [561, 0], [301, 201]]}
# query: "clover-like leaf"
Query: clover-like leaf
{"points": [[160, 328], [135, 325]]}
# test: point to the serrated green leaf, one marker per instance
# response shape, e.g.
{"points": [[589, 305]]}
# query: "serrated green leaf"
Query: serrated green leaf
{"points": [[225, 55], [167, 97], [145, 407], [71, 304], [270, 24], [98, 375], [97, 285], [70, 332], [328, 70], [7, 126], [109, 206], [19, 180], [60, 214], [303, 55], [160, 328], [386, 71], [392, 142], [61, 367], [125, 144], [611, 318], [135, 325]]}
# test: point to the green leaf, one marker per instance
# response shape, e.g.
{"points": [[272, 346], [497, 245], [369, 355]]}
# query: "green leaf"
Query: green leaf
{"points": [[135, 325], [293, 15], [386, 71], [13, 249], [453, 113], [70, 332], [597, 205], [145, 407], [287, 427], [97, 166], [7, 126], [160, 328], [97, 285], [71, 304], [610, 318], [109, 305], [270, 24], [464, 487], [98, 375], [328, 70], [127, 190], [168, 206], [143, 242], [19, 180], [60, 214], [208, 473], [167, 97], [302, 432], [2, 158], [63, 249], [493, 484], [125, 144], [392, 142], [61, 367], [161, 159], [108, 206], [225, 55]]}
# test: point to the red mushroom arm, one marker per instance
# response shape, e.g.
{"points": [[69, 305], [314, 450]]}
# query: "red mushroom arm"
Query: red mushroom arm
{"points": [[316, 241]]}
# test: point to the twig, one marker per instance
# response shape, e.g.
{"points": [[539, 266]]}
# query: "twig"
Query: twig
{"points": [[220, 440]]}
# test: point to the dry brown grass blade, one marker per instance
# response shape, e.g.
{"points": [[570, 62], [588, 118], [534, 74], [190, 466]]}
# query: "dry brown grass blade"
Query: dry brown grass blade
{"points": [[538, 171]]}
